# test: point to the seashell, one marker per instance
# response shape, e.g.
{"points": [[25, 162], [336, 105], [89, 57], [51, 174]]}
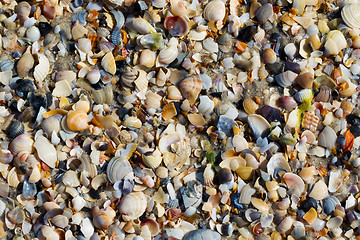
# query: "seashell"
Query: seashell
{"points": [[93, 76], [103, 219], [35, 175], [141, 82], [60, 221], [116, 37], [22, 143], [287, 102], [250, 106], [84, 45], [214, 11], [178, 7], [206, 105], [23, 8], [25, 63], [104, 95], [108, 63], [208, 175], [129, 76], [258, 124], [264, 13], [70, 179], [169, 111], [335, 42], [46, 151], [196, 119], [112, 4], [5, 156], [286, 79], [277, 161], [351, 15], [327, 138], [177, 26], [153, 161], [51, 124], [33, 34], [210, 45], [133, 205], [334, 222], [190, 87], [169, 53], [142, 26], [245, 173], [299, 5], [173, 93], [16, 128], [202, 234], [319, 191], [103, 32], [305, 80], [147, 58], [77, 121], [12, 178], [293, 180], [133, 122], [69, 76], [246, 194], [310, 216], [119, 18], [269, 56], [260, 204], [42, 69], [307, 173], [153, 100], [106, 47], [62, 89], [118, 168], [78, 31], [159, 3], [347, 89], [151, 41], [16, 215]]}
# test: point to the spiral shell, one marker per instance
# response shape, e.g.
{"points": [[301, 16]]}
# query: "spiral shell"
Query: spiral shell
{"points": [[208, 174], [117, 169], [169, 53], [133, 205], [351, 15], [42, 69], [190, 87], [103, 219], [25, 63], [108, 63], [214, 10], [21, 143], [129, 76]]}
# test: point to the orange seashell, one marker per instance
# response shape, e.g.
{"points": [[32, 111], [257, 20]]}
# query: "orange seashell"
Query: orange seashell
{"points": [[48, 10], [190, 87], [94, 40], [77, 121], [103, 219], [169, 111], [349, 141]]}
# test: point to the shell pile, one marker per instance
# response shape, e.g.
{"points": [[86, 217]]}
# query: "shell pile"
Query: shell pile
{"points": [[179, 119]]}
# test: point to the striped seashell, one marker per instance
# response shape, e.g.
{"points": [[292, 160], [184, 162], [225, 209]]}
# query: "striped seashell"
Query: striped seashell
{"points": [[214, 10], [128, 77], [190, 87], [25, 63], [351, 15], [210, 45], [208, 174], [116, 37], [103, 219], [141, 83], [169, 53], [118, 168], [42, 69], [119, 18], [23, 142], [153, 100], [286, 79], [264, 13], [133, 205], [12, 178], [154, 160], [108, 63], [250, 106], [112, 4], [103, 32], [106, 46], [104, 95], [259, 36]]}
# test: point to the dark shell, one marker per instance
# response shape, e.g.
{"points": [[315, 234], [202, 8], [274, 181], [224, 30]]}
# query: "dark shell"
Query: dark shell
{"points": [[224, 175], [247, 33], [309, 203], [45, 28], [287, 102], [329, 206], [15, 129], [294, 67], [116, 37], [226, 124], [355, 130], [271, 114], [276, 68], [235, 201], [23, 87], [38, 100], [77, 3], [81, 17]]}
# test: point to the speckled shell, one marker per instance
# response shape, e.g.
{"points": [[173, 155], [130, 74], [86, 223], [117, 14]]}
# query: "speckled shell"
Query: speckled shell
{"points": [[214, 10], [117, 169], [108, 63], [25, 63], [351, 15], [42, 69], [133, 205], [190, 87]]}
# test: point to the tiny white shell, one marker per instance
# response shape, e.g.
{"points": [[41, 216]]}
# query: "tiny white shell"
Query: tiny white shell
{"points": [[42, 69]]}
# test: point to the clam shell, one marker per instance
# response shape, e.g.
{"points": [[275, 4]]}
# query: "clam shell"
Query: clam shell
{"points": [[286, 79], [264, 13], [196, 119], [119, 18], [258, 124], [60, 221], [128, 77], [169, 53], [177, 26], [327, 138], [269, 56], [42, 69], [293, 180], [319, 191], [12, 178], [250, 106], [335, 42], [46, 151], [62, 89], [202, 234], [142, 26], [147, 58], [153, 100], [21, 143], [108, 63], [78, 31], [51, 124], [152, 161], [287, 102], [68, 75], [93, 76], [190, 87], [151, 41], [351, 15], [214, 10], [118, 168], [33, 34], [305, 80], [84, 45], [133, 205], [335, 181], [104, 95], [25, 63], [132, 122]]}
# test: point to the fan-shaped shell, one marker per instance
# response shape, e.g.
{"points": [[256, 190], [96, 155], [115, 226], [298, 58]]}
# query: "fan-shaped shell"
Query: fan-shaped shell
{"points": [[319, 191], [133, 205], [152, 161], [286, 79], [335, 42], [169, 53], [208, 174], [42, 69], [190, 87], [117, 169], [46, 151], [214, 10], [51, 124], [23, 142], [258, 124], [104, 95], [292, 179], [102, 219], [351, 15], [25, 63], [108, 63], [264, 13], [12, 178]]}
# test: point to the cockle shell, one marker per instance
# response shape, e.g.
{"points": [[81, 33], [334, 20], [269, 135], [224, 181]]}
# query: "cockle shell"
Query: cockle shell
{"points": [[141, 82], [104, 95], [351, 15], [154, 160], [23, 142], [190, 87], [214, 10], [177, 26], [118, 168], [208, 174], [46, 151], [103, 219], [128, 77], [286, 79], [319, 191], [108, 63], [25, 63], [77, 121], [169, 53], [133, 205], [264, 13], [202, 234], [42, 69]]}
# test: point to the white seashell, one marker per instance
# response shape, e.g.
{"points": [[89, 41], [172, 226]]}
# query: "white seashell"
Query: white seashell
{"points": [[258, 124], [286, 79], [5, 77], [93, 76], [173, 93], [69, 76], [206, 106], [12, 178], [42, 69], [293, 180], [197, 35], [84, 45], [239, 143], [133, 205], [147, 58], [169, 53], [87, 228], [351, 15], [153, 100], [319, 191], [159, 3], [277, 161], [35, 175], [335, 42], [46, 151], [210, 45], [22, 143], [246, 194], [335, 181], [214, 10], [299, 5], [51, 124], [118, 168], [142, 26], [62, 89], [208, 174], [33, 34], [108, 63], [141, 83], [327, 138]]}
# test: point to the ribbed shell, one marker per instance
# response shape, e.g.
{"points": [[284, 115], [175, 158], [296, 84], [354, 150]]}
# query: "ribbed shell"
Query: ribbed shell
{"points": [[214, 10], [286, 79], [128, 77], [190, 87], [351, 15], [104, 95], [117, 169], [108, 63], [170, 53], [133, 205]]}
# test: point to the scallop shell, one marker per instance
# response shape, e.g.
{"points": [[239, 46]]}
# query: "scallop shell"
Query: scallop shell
{"points": [[21, 143], [208, 174], [42, 69], [133, 205], [190, 87], [104, 95], [108, 63], [264, 13], [103, 219], [176, 26], [351, 15], [25, 63], [12, 178], [327, 138], [128, 77], [77, 121], [286, 79], [169, 53], [46, 151], [153, 161], [118, 168], [293, 180], [214, 10], [51, 124]]}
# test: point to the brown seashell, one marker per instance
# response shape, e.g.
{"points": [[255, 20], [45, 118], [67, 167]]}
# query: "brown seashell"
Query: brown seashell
{"points": [[108, 63], [190, 87], [25, 63], [305, 80], [245, 173], [169, 111], [250, 106], [314, 41], [77, 121], [196, 119], [287, 102], [346, 107], [129, 76], [269, 56], [310, 216], [103, 219], [177, 26], [48, 10], [133, 205], [324, 94]]}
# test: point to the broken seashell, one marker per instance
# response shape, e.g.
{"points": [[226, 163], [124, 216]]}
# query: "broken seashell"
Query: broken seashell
{"points": [[169, 53], [153, 100], [277, 161], [351, 15], [147, 58], [196, 119], [154, 160], [190, 87], [319, 191], [42, 69], [327, 138], [250, 106], [46, 151], [258, 124], [293, 180], [103, 219], [208, 174], [108, 63]]}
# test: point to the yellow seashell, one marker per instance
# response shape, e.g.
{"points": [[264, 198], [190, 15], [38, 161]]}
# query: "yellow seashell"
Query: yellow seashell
{"points": [[169, 111], [310, 216], [108, 63], [25, 63], [54, 112], [77, 121], [82, 106], [250, 106], [196, 119], [152, 161], [132, 122], [245, 173]]}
